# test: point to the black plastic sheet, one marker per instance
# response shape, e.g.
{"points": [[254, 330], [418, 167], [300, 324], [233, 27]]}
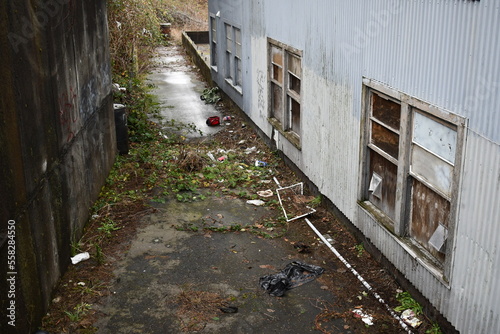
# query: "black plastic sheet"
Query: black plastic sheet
{"points": [[293, 275]]}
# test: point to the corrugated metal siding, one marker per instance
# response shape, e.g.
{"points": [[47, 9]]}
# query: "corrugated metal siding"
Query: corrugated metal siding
{"points": [[477, 260], [442, 52]]}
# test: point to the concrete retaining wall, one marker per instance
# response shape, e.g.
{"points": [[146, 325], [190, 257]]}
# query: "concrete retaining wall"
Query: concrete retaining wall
{"points": [[190, 40], [57, 143]]}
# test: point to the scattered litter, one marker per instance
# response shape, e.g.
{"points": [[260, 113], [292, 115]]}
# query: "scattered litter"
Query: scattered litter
{"points": [[266, 266], [256, 202], [250, 150], [358, 276], [410, 318], [80, 257], [213, 121], [293, 202], [210, 95], [259, 163], [293, 275], [222, 158], [366, 318], [229, 309], [117, 88], [241, 142], [328, 238], [302, 247], [265, 193], [226, 118], [81, 283]]}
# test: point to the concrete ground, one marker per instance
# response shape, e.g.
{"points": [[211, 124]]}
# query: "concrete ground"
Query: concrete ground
{"points": [[181, 277], [165, 262], [178, 88], [218, 270]]}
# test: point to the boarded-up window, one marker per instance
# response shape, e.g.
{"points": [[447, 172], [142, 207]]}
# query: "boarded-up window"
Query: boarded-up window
{"points": [[277, 102], [285, 66], [385, 117], [385, 123], [432, 159], [411, 169], [277, 83], [233, 56], [383, 182], [429, 216], [277, 64], [294, 115], [213, 41], [237, 57], [229, 52]]}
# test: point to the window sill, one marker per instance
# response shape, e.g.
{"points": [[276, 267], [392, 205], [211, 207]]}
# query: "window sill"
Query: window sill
{"points": [[292, 137], [416, 251], [236, 88]]}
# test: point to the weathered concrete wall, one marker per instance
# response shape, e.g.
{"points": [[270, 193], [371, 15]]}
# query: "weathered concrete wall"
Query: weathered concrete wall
{"points": [[190, 40], [57, 143]]}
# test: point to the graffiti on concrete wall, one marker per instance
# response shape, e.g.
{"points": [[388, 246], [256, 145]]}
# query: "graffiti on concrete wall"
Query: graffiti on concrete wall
{"points": [[68, 113]]}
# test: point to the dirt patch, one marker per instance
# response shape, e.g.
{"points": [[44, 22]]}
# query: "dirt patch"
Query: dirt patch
{"points": [[196, 308]]}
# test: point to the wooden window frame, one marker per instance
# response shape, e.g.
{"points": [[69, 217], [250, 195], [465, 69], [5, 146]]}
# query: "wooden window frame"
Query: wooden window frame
{"points": [[213, 42], [399, 226], [286, 125], [233, 57]]}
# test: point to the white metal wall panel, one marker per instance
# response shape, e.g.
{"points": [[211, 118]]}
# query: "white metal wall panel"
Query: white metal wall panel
{"points": [[442, 52], [477, 261]]}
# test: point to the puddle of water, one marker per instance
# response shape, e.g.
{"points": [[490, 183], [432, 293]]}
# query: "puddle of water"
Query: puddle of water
{"points": [[178, 91]]}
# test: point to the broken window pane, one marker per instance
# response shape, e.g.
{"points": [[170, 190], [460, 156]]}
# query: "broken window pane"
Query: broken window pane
{"points": [[295, 115], [435, 136], [432, 169], [278, 73], [277, 104], [213, 24], [294, 83], [237, 63], [384, 174], [237, 35], [385, 139], [428, 211], [277, 55], [294, 65], [213, 47], [386, 111]]}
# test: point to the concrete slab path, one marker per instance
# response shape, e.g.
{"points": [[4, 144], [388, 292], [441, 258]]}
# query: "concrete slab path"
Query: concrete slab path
{"points": [[167, 263]]}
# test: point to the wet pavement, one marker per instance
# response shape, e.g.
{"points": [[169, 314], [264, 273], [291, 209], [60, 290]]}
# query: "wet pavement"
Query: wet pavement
{"points": [[178, 88], [165, 261], [176, 267]]}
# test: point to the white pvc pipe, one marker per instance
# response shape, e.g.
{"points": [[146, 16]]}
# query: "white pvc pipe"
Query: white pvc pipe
{"points": [[358, 276]]}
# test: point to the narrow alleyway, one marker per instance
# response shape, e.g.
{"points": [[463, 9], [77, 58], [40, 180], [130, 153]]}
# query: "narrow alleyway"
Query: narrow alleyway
{"points": [[195, 262], [179, 275]]}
